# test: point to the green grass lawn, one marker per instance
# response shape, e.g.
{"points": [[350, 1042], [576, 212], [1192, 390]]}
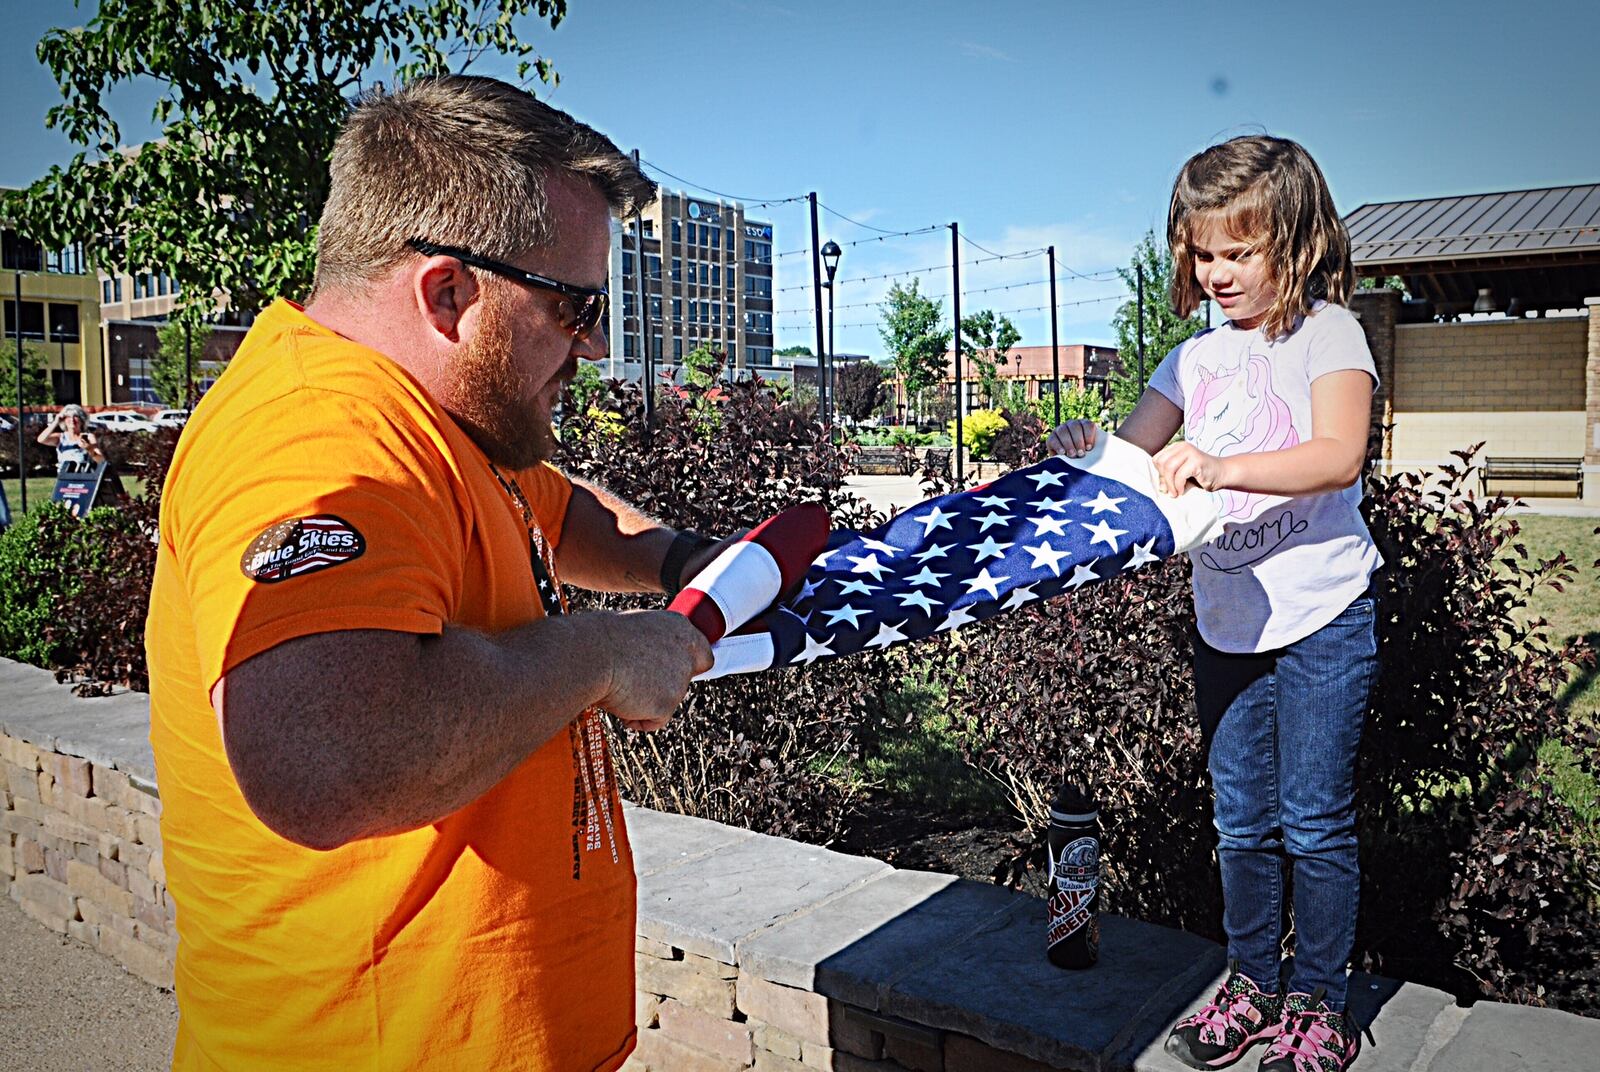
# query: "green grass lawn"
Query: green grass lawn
{"points": [[40, 487], [1573, 612]]}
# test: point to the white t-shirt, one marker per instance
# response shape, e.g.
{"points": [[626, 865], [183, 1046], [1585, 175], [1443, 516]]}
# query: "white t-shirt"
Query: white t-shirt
{"points": [[1284, 566]]}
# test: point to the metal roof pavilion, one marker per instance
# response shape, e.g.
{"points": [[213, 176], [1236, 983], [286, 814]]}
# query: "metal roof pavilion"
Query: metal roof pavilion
{"points": [[1533, 249]]}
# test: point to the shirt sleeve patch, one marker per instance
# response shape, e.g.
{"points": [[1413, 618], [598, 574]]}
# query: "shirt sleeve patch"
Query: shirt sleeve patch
{"points": [[301, 545]]}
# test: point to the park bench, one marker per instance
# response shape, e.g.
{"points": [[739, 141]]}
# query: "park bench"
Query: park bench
{"points": [[1502, 468], [883, 461]]}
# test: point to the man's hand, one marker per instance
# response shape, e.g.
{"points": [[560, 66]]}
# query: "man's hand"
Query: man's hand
{"points": [[654, 655]]}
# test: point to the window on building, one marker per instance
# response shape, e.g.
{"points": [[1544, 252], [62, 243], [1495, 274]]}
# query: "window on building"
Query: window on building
{"points": [[627, 263], [627, 346], [652, 266], [116, 289], [733, 352], [63, 322], [655, 348], [105, 292], [677, 348], [729, 235], [32, 320], [19, 254], [161, 284], [677, 309], [716, 312], [629, 305], [716, 275], [677, 269], [694, 311], [713, 236], [655, 307], [677, 229]]}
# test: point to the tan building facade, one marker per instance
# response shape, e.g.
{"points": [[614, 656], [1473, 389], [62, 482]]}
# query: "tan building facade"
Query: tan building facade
{"points": [[51, 303], [707, 279]]}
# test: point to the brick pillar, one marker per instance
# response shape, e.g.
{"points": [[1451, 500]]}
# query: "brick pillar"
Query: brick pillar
{"points": [[1591, 408], [1379, 312]]}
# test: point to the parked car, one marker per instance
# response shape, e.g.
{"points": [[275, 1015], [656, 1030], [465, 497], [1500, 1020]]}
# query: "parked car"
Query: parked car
{"points": [[120, 421], [170, 418]]}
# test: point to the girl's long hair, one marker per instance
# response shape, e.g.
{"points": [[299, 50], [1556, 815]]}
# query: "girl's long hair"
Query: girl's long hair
{"points": [[1270, 192]]}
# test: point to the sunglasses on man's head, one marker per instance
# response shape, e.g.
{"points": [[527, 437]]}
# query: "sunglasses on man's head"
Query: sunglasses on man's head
{"points": [[588, 304]]}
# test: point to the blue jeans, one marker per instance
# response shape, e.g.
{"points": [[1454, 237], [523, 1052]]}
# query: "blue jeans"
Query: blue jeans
{"points": [[1282, 730]]}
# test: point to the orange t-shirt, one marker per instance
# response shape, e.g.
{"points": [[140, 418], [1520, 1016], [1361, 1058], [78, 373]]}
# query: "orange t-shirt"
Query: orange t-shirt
{"points": [[319, 488]]}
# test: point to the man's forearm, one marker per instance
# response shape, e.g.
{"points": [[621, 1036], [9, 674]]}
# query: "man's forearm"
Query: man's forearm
{"points": [[609, 546], [325, 756]]}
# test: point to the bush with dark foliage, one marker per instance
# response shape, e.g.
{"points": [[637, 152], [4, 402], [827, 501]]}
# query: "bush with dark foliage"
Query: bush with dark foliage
{"points": [[767, 751]]}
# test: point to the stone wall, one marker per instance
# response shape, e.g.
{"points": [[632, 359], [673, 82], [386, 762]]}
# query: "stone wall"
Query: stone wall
{"points": [[752, 952]]}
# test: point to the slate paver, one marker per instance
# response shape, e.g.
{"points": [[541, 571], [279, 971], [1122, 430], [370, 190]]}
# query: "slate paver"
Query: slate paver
{"points": [[113, 731], [661, 840], [855, 945], [1502, 1038], [708, 905], [998, 987]]}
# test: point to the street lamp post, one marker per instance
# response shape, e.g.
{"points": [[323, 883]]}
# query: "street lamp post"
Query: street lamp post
{"points": [[830, 261], [22, 470]]}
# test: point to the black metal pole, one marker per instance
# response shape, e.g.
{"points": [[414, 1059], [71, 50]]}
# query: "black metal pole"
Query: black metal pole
{"points": [[816, 288], [832, 399], [1055, 341], [1139, 268], [22, 470], [955, 294]]}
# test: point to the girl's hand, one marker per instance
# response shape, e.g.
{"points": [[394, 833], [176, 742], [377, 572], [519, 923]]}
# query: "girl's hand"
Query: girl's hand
{"points": [[1179, 463], [1074, 438]]}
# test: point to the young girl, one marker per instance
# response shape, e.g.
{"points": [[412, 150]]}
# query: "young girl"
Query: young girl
{"points": [[1274, 406]]}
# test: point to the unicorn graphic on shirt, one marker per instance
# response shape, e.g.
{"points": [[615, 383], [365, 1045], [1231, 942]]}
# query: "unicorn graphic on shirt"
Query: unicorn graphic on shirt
{"points": [[1236, 411]]}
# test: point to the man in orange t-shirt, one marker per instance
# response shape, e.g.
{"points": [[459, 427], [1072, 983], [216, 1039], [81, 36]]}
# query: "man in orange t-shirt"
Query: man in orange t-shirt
{"points": [[389, 821]]}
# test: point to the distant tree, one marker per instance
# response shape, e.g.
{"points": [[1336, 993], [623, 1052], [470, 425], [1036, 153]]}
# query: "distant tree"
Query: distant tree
{"points": [[861, 389], [252, 95], [36, 389], [1164, 330], [1382, 282], [986, 339], [915, 336], [170, 363], [794, 351]]}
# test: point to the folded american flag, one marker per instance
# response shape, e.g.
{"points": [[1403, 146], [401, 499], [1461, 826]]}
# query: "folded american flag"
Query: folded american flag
{"points": [[1031, 534]]}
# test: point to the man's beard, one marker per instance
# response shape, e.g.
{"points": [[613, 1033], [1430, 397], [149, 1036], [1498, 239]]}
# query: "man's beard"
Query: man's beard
{"points": [[487, 396]]}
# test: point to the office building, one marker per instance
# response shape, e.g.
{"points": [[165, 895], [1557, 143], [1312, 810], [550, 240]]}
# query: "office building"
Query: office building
{"points": [[58, 318], [707, 279]]}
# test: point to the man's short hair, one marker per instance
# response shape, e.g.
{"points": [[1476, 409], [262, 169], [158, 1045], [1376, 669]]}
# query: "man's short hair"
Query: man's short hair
{"points": [[461, 161]]}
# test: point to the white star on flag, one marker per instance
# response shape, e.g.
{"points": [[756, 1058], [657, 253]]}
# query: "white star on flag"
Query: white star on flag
{"points": [[927, 577], [1142, 554], [814, 650], [989, 520], [934, 519], [1047, 557], [822, 559], [878, 545], [989, 549], [1019, 596], [853, 587], [1045, 480], [1082, 575], [994, 502], [917, 599], [938, 550], [887, 634], [809, 589], [1103, 502], [957, 618], [986, 582], [868, 564], [1051, 526], [1103, 533], [853, 614], [1051, 506]]}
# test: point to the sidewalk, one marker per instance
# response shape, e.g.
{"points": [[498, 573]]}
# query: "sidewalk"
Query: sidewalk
{"points": [[65, 1007]]}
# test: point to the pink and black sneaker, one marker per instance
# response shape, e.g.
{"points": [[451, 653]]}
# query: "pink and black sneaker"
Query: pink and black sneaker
{"points": [[1313, 1038], [1238, 1017]]}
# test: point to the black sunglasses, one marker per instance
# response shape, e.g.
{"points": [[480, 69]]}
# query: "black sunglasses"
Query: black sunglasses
{"points": [[588, 304]]}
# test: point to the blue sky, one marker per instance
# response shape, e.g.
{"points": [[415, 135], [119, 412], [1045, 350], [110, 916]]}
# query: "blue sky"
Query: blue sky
{"points": [[1029, 123]]}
